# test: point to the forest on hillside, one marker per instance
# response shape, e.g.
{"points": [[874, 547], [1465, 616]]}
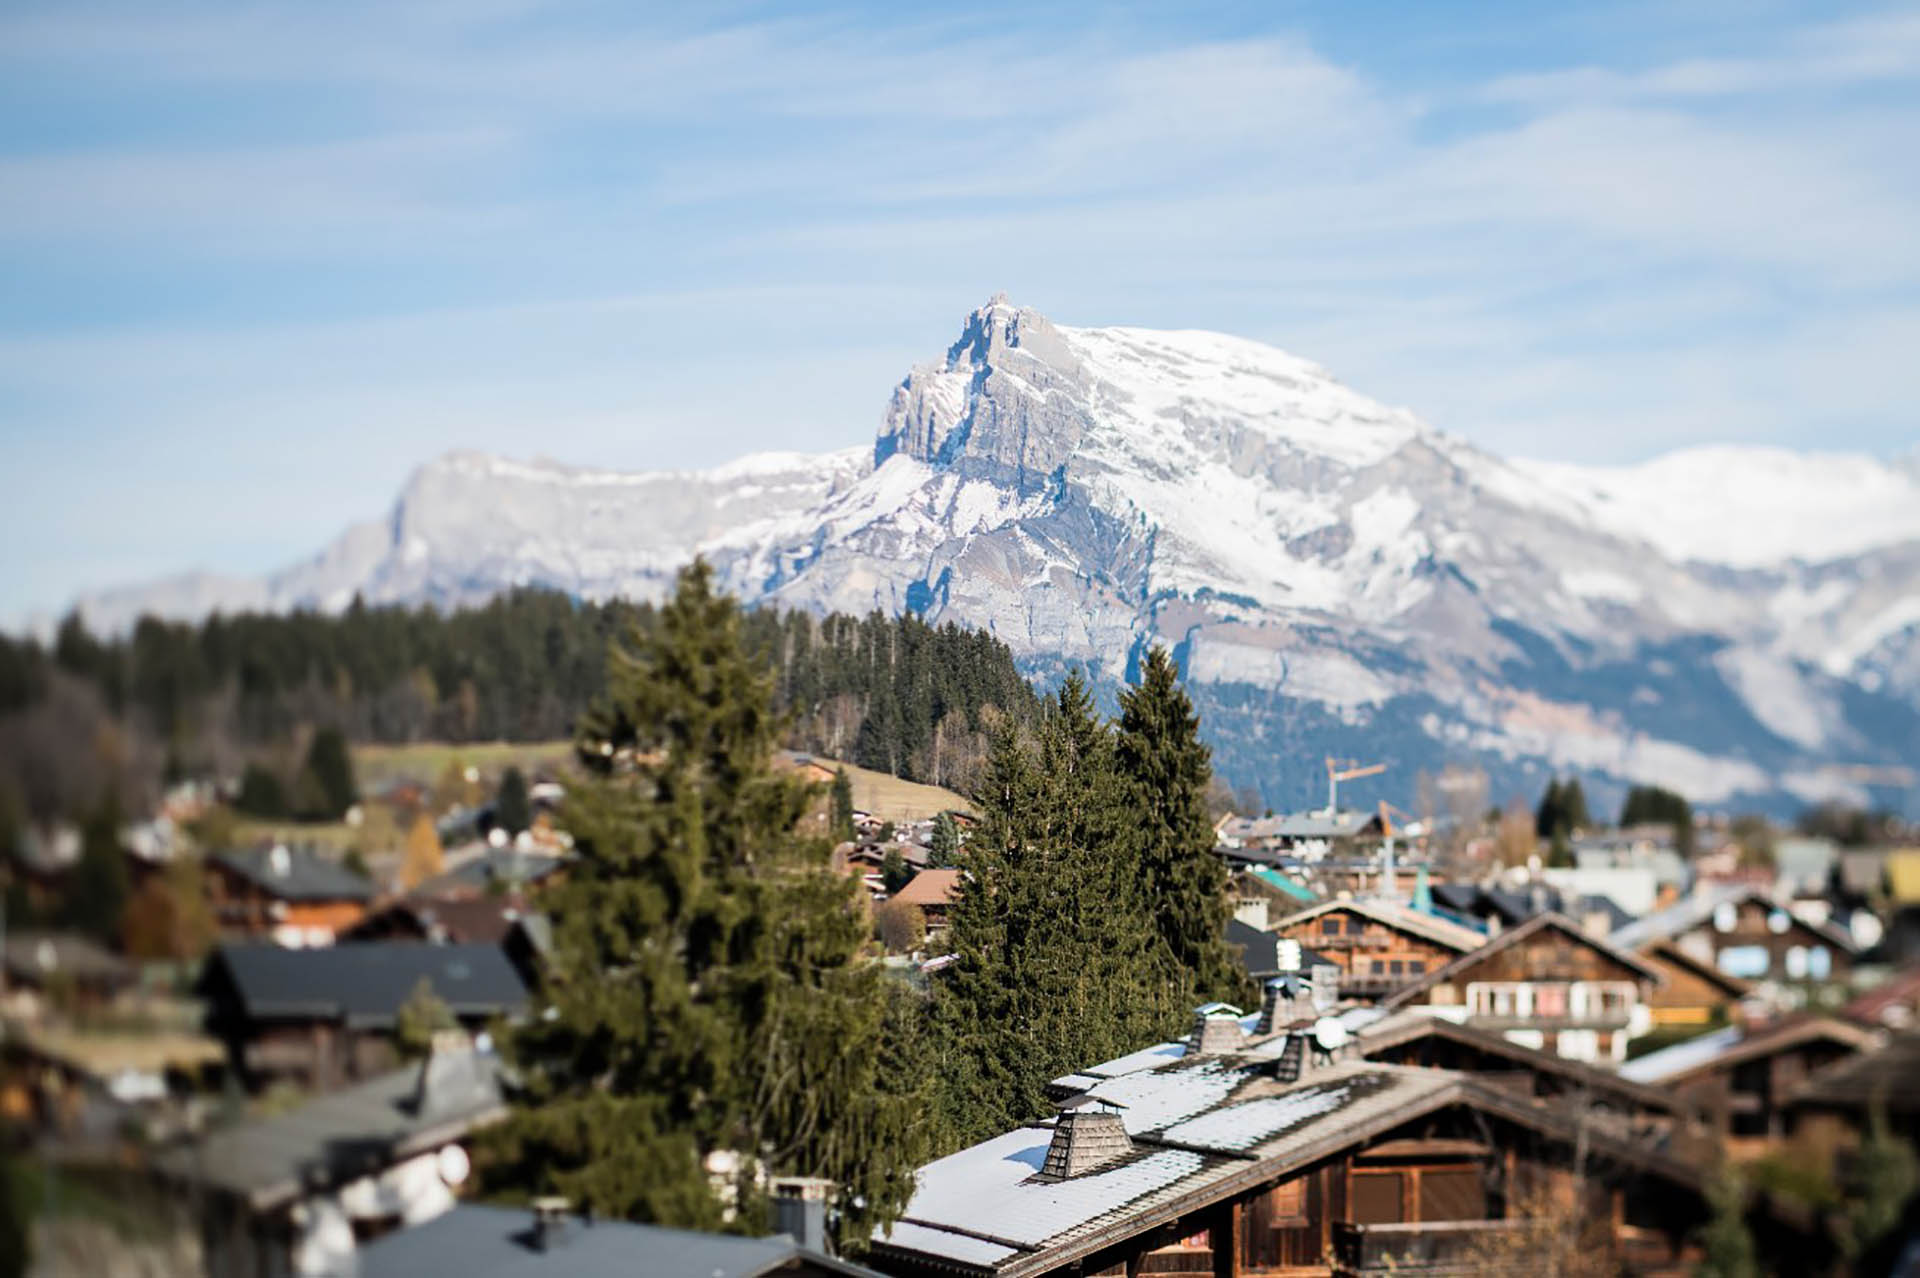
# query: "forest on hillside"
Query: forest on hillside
{"points": [[90, 717]]}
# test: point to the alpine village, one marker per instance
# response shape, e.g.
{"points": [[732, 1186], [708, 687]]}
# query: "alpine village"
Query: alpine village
{"points": [[549, 937]]}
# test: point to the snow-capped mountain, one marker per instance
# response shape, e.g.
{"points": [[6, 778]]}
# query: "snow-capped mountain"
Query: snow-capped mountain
{"points": [[1335, 575]]}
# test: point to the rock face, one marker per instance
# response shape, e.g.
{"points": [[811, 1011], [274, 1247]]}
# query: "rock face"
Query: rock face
{"points": [[1334, 575]]}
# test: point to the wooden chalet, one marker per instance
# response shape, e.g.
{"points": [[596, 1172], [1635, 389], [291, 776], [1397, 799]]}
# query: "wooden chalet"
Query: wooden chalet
{"points": [[291, 895], [1643, 1112], [1743, 1077], [1692, 991], [326, 1016], [1737, 929], [932, 893], [1260, 1146], [1378, 946], [1545, 984]]}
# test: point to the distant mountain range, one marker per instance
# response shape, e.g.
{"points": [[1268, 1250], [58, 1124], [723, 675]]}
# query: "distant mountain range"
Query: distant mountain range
{"points": [[1334, 575]]}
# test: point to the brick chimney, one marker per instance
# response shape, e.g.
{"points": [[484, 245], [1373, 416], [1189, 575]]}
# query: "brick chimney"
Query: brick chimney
{"points": [[1089, 1134]]}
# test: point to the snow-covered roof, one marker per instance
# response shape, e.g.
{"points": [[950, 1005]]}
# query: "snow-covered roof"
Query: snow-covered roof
{"points": [[1698, 907], [1194, 1125]]}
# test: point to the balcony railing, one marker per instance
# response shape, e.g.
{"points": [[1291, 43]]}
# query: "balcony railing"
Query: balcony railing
{"points": [[1429, 1247]]}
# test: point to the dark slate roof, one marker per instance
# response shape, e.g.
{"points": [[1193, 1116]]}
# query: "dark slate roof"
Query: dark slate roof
{"points": [[456, 918], [344, 1135], [365, 983], [1259, 951], [296, 873], [1888, 1079], [494, 866], [473, 1241]]}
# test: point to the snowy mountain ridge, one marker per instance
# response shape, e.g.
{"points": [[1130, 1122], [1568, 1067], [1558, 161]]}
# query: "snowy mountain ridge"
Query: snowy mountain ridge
{"points": [[1334, 574]]}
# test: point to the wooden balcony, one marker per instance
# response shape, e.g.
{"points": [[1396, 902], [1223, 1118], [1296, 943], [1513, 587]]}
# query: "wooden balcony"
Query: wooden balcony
{"points": [[1431, 1247]]}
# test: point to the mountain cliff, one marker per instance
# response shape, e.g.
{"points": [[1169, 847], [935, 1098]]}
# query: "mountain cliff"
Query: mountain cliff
{"points": [[1334, 575]]}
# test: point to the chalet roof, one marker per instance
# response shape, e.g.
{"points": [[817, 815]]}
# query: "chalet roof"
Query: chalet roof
{"points": [[365, 983], [1203, 1130], [343, 1135], [1698, 908], [1888, 1079], [1413, 922], [1668, 952], [930, 887], [1400, 1028], [492, 866], [36, 957], [1871, 1007], [1511, 937], [497, 1242], [1260, 951], [1725, 1048], [292, 873]]}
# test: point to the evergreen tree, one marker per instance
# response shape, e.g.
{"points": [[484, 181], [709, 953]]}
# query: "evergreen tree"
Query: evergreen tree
{"points": [[894, 873], [332, 767], [1573, 804], [261, 794], [423, 1015], [1726, 1243], [1164, 773], [511, 811], [709, 1013], [842, 806], [1550, 817], [1652, 805], [95, 894], [1056, 960], [943, 846], [1884, 1176]]}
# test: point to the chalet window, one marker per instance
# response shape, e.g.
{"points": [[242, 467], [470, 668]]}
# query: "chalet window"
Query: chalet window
{"points": [[1280, 1228], [1287, 1202], [1379, 967], [1355, 925], [1452, 1193], [1416, 967], [1378, 1197], [1329, 927], [1397, 968], [1549, 1000]]}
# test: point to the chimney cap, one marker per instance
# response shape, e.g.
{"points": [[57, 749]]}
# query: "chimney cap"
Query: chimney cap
{"points": [[1088, 1098]]}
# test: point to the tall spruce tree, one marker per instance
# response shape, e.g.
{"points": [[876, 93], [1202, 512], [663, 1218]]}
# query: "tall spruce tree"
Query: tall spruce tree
{"points": [[1164, 770], [709, 1016], [332, 768], [1055, 962]]}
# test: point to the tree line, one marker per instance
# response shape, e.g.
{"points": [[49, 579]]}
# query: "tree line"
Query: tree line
{"points": [[86, 713]]}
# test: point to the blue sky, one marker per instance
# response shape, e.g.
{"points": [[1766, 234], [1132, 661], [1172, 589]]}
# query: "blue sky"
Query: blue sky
{"points": [[261, 260]]}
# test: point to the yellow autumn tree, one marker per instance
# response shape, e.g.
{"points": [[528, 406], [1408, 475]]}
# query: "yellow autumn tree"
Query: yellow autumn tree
{"points": [[422, 858]]}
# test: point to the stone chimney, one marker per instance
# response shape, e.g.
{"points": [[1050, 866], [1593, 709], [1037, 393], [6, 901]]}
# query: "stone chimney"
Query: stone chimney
{"points": [[549, 1223], [1289, 1001], [800, 1209], [1216, 1030], [1089, 1134]]}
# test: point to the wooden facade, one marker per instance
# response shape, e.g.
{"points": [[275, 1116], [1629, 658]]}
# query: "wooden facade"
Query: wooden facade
{"points": [[1546, 984], [1460, 1190], [1747, 1089], [1694, 992], [244, 908], [1375, 952], [1755, 939]]}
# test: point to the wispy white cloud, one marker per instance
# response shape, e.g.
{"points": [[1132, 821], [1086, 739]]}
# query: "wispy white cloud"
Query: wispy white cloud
{"points": [[665, 241]]}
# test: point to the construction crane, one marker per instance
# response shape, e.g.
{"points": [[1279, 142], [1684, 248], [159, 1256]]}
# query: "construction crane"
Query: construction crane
{"points": [[1339, 770]]}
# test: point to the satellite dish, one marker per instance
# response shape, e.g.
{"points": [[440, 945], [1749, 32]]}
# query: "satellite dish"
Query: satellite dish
{"points": [[454, 1164], [1330, 1034]]}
